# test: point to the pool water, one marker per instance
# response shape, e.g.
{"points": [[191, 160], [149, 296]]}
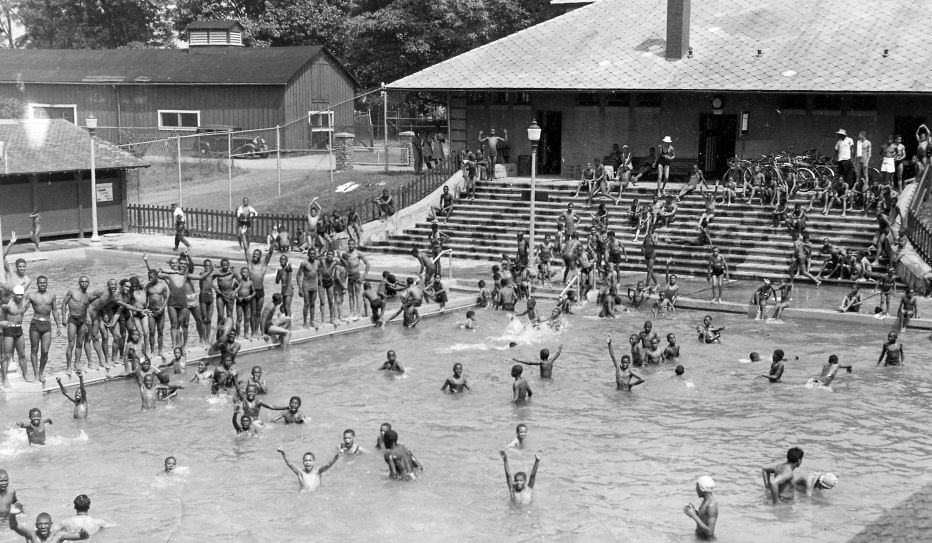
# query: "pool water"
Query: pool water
{"points": [[617, 466]]}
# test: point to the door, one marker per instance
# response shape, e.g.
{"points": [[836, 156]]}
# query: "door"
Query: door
{"points": [[549, 151], [717, 134]]}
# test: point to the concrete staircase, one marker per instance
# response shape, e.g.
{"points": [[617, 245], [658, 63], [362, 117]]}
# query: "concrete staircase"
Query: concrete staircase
{"points": [[486, 227]]}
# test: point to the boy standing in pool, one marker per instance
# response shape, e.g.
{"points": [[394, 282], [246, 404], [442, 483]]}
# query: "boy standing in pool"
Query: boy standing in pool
{"points": [[520, 389], [309, 475], [776, 368], [391, 363], [520, 487], [520, 437], [43, 530], [707, 513], [892, 352], [456, 383], [829, 371], [292, 415], [546, 363], [7, 497], [81, 521], [624, 378], [80, 397], [349, 445], [401, 462], [35, 428], [778, 478]]}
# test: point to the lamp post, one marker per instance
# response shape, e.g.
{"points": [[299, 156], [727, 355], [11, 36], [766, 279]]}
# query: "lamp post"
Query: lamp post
{"points": [[91, 124], [533, 135]]}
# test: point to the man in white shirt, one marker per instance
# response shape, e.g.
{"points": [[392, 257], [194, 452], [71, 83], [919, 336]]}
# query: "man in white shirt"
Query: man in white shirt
{"points": [[843, 155], [181, 228], [862, 156], [244, 215]]}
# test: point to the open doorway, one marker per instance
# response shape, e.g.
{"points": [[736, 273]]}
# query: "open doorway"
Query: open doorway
{"points": [[716, 143], [549, 151]]}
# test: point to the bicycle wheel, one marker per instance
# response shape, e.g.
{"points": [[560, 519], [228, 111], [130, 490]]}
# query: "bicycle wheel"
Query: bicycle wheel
{"points": [[805, 179], [825, 172]]}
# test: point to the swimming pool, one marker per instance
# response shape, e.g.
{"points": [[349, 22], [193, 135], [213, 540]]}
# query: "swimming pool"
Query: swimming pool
{"points": [[616, 465]]}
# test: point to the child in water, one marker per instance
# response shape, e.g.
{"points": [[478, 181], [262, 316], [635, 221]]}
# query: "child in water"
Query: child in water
{"points": [[35, 428], [520, 487], [520, 437], [292, 415], [470, 323], [309, 475], [546, 363], [80, 396], [520, 389]]}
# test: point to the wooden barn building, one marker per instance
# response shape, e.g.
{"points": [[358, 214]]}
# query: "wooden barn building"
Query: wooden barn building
{"points": [[150, 93], [45, 165], [721, 77]]}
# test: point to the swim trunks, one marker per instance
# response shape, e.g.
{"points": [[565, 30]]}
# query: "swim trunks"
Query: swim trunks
{"points": [[40, 327], [75, 320], [13, 331], [260, 294], [888, 165], [191, 299], [353, 277], [206, 297], [508, 307], [326, 281]]}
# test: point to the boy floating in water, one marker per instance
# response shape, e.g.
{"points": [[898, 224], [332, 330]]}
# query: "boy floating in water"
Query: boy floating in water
{"points": [[456, 383], [292, 415], [520, 437], [624, 378], [80, 396], [309, 475], [778, 478], [43, 532], [830, 371], [546, 363], [520, 487], [707, 513], [521, 391], [170, 463], [35, 428]]}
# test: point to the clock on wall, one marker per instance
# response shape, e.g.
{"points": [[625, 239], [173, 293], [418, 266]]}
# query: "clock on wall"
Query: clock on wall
{"points": [[717, 102]]}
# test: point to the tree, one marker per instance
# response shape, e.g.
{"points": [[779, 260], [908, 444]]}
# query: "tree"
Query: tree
{"points": [[87, 24], [7, 16], [11, 108], [404, 36]]}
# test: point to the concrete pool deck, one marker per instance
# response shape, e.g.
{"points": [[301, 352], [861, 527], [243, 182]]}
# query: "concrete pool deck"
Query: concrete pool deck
{"points": [[808, 302]]}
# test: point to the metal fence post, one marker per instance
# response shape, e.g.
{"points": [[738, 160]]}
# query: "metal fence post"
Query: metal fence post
{"points": [[278, 156], [230, 167], [178, 157]]}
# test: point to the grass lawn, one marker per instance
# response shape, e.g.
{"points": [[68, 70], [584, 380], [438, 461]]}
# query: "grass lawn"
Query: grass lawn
{"points": [[205, 184]]}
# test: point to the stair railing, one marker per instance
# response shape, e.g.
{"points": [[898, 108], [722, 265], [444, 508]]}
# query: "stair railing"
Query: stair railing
{"points": [[918, 232], [448, 252]]}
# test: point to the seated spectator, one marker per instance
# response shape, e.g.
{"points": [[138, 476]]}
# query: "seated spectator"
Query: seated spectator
{"points": [[667, 212], [852, 301], [444, 208], [587, 181], [386, 204], [649, 165]]}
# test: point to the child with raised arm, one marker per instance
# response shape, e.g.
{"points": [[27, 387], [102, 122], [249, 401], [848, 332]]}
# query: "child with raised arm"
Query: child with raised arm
{"points": [[546, 363], [7, 497], [292, 415], [309, 475], [242, 423], [35, 428], [624, 378], [80, 396], [252, 405], [43, 531], [706, 514], [520, 487]]}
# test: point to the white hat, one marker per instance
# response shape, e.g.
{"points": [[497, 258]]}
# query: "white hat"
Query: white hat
{"points": [[667, 139], [705, 484], [18, 290], [841, 132]]}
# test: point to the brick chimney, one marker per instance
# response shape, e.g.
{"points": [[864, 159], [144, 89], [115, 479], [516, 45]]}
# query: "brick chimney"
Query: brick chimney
{"points": [[677, 28]]}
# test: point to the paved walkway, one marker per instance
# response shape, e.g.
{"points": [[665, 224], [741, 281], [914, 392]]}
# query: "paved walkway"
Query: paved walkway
{"points": [[907, 522]]}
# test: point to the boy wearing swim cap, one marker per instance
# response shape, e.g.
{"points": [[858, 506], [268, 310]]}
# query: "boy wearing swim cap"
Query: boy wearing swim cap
{"points": [[707, 513], [778, 478], [809, 481]]}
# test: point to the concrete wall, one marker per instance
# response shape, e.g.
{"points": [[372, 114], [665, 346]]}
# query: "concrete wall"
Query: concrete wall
{"points": [[404, 219], [590, 131]]}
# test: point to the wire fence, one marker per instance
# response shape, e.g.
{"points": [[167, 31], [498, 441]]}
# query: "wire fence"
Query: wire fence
{"points": [[214, 224]]}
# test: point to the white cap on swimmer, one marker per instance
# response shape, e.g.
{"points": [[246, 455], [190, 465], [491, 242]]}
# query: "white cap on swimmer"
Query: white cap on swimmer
{"points": [[18, 290], [827, 480], [705, 484]]}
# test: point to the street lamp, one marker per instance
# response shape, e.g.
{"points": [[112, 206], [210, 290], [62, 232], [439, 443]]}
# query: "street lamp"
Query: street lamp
{"points": [[533, 135], [91, 124]]}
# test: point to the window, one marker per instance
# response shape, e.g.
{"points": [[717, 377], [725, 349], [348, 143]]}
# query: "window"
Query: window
{"points": [[860, 102], [179, 120], [793, 102], [826, 102], [587, 99], [647, 100], [618, 99], [522, 98], [475, 99], [69, 112], [320, 121], [499, 98]]}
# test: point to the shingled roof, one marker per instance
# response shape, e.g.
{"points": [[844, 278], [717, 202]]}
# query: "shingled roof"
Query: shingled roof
{"points": [[806, 45], [55, 145], [207, 65]]}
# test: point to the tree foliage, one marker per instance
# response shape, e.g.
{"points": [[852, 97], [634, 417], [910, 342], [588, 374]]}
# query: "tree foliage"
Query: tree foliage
{"points": [[11, 108], [86, 24]]}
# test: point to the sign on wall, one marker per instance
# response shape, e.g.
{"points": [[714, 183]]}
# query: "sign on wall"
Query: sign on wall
{"points": [[104, 192]]}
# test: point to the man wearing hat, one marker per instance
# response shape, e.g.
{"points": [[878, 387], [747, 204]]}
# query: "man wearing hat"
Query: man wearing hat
{"points": [[808, 481], [667, 154], [843, 155], [11, 323], [623, 170]]}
